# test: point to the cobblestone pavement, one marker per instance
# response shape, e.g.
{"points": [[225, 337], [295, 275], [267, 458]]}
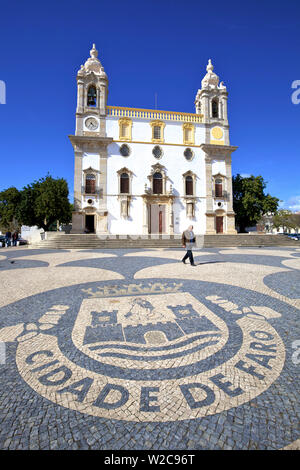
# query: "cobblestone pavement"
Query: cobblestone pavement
{"points": [[132, 349]]}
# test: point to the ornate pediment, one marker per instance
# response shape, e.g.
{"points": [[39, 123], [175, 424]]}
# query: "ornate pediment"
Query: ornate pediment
{"points": [[219, 175], [125, 170], [91, 170], [157, 167], [189, 173]]}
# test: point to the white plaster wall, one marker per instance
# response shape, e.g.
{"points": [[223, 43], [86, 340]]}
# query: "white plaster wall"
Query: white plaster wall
{"points": [[90, 160], [142, 131], [218, 166], [139, 162]]}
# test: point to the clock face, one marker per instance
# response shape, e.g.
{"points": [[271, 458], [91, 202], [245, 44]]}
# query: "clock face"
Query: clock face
{"points": [[91, 124]]}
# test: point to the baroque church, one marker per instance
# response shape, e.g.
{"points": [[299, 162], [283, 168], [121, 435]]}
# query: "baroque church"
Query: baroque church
{"points": [[144, 171]]}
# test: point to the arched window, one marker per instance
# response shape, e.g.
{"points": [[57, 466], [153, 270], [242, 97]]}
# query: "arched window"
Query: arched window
{"points": [[90, 184], [124, 183], [218, 187], [215, 108], [189, 190], [92, 96], [157, 183]]}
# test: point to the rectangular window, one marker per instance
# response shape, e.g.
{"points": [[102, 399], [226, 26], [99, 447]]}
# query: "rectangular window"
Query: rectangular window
{"points": [[218, 189], [124, 130], [157, 132], [188, 135], [90, 187], [189, 186], [124, 186]]}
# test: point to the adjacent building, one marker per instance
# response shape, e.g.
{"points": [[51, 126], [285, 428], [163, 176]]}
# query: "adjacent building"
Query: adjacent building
{"points": [[145, 171]]}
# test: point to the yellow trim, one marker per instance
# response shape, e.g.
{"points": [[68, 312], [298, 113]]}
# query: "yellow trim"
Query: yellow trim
{"points": [[164, 143], [128, 123], [191, 127], [217, 142], [154, 114], [217, 133]]}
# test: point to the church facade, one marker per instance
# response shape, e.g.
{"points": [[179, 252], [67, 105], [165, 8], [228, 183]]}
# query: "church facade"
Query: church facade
{"points": [[143, 171]]}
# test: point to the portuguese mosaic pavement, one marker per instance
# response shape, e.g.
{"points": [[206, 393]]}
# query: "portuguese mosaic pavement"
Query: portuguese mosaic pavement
{"points": [[132, 349]]}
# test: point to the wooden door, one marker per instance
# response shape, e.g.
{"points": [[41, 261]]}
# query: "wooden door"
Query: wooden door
{"points": [[219, 224], [160, 221]]}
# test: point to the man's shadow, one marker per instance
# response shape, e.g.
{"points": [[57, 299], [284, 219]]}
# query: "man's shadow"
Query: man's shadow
{"points": [[210, 262]]}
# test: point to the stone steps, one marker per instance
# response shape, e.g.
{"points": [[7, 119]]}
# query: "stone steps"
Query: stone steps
{"points": [[90, 241], [248, 240]]}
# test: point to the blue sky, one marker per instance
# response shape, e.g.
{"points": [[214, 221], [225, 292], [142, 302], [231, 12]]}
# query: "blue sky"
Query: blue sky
{"points": [[149, 47]]}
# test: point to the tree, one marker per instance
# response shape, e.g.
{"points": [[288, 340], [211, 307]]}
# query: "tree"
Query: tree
{"points": [[249, 200], [296, 219], [285, 219], [44, 202], [9, 201]]}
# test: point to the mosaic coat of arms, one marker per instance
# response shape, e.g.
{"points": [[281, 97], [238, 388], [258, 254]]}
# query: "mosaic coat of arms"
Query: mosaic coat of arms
{"points": [[148, 352]]}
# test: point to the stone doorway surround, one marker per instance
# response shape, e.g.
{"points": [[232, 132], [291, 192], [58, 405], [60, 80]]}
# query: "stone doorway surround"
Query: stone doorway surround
{"points": [[157, 218], [168, 219]]}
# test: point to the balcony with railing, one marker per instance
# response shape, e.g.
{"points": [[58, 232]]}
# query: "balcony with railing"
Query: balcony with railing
{"points": [[153, 114], [220, 194], [92, 191]]}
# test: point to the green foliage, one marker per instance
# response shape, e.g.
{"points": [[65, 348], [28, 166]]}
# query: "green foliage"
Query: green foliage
{"points": [[249, 200], [286, 219], [45, 201], [40, 203], [9, 200]]}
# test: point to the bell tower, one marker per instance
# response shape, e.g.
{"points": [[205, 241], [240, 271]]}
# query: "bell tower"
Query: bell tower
{"points": [[92, 91], [211, 101], [90, 148]]}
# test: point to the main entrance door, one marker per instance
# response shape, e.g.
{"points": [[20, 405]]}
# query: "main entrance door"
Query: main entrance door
{"points": [[219, 224], [157, 218], [90, 223]]}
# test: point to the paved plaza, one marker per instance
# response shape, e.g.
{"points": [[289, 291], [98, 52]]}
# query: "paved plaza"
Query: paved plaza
{"points": [[132, 349]]}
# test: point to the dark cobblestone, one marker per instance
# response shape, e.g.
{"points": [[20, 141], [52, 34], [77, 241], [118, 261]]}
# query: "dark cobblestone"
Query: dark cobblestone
{"points": [[268, 421]]}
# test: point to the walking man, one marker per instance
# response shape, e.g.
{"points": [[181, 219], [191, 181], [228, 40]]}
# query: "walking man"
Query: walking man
{"points": [[188, 242]]}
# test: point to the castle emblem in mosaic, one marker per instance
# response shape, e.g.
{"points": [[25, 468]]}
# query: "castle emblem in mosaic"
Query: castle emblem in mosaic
{"points": [[149, 352], [147, 331]]}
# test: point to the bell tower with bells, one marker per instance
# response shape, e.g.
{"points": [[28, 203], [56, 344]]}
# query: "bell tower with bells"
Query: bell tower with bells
{"points": [[90, 148], [211, 102], [92, 91]]}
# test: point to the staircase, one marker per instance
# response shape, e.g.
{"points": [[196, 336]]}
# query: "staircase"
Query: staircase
{"points": [[244, 239], [92, 241], [59, 240]]}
